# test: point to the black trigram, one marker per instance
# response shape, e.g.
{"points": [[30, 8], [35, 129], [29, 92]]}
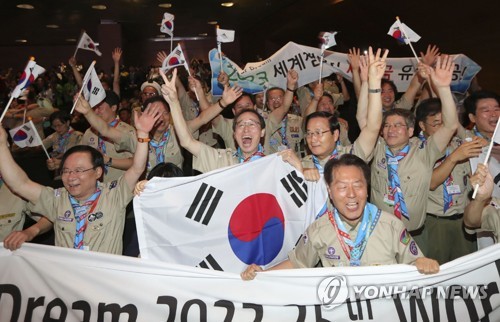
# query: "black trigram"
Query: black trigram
{"points": [[210, 263], [96, 91], [204, 204], [297, 188]]}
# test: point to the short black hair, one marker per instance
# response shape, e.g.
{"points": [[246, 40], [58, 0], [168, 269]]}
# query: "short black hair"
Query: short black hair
{"points": [[165, 170], [390, 83], [96, 157], [250, 96], [112, 99], [470, 103], [406, 114], [333, 121], [60, 115], [428, 107], [346, 160]]}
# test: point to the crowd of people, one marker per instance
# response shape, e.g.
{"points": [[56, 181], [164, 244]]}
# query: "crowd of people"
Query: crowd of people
{"points": [[396, 165]]}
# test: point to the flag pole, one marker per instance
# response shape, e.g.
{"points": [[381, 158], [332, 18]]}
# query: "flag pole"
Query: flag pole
{"points": [[171, 41], [404, 35], [488, 153], [6, 108], [321, 63], [39, 138], [78, 43], [81, 89], [12, 96]]}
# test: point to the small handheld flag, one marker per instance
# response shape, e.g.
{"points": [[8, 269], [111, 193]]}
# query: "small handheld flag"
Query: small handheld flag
{"points": [[167, 26], [327, 41], [30, 73], [494, 139], [26, 135], [92, 88], [225, 35], [174, 59], [403, 33], [88, 44]]}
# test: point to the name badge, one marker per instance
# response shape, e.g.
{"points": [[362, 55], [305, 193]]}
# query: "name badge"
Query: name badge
{"points": [[389, 199], [453, 189], [392, 161]]}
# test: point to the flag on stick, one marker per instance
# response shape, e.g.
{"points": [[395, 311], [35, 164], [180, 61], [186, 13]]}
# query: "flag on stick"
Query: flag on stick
{"points": [[225, 35], [26, 135], [174, 59], [92, 87], [403, 33], [30, 73], [88, 44], [167, 24], [327, 41]]}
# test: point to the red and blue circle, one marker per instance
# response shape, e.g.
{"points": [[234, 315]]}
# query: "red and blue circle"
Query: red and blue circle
{"points": [[20, 136], [257, 229]]}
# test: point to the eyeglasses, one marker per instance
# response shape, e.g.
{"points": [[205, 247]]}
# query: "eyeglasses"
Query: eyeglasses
{"points": [[317, 133], [276, 99], [250, 123], [434, 125], [148, 94], [397, 126], [78, 172]]}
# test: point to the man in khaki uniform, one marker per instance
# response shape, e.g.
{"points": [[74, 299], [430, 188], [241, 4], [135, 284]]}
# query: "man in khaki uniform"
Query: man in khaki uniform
{"points": [[402, 167], [354, 232], [117, 154], [13, 210], [86, 214], [448, 194]]}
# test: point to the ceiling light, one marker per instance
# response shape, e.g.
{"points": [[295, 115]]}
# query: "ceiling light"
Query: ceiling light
{"points": [[52, 26], [160, 36], [21, 40], [165, 5], [203, 34], [212, 22], [25, 6], [99, 7], [70, 39], [227, 4]]}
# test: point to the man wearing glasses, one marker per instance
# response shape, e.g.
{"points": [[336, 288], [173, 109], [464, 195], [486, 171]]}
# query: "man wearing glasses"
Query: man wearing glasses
{"points": [[86, 214], [448, 193], [402, 167]]}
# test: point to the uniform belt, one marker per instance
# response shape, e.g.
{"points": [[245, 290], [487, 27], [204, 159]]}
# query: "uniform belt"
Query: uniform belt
{"points": [[452, 217]]}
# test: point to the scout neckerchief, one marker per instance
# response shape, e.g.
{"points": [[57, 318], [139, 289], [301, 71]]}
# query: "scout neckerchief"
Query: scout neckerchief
{"points": [[394, 183], [334, 155], [1, 181], [284, 124], [447, 198], [101, 141], [355, 249], [255, 156], [62, 140], [477, 133], [157, 147], [81, 212]]}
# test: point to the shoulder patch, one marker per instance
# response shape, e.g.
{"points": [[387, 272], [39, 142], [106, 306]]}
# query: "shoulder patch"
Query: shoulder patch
{"points": [[57, 192], [405, 237], [413, 248], [113, 184]]}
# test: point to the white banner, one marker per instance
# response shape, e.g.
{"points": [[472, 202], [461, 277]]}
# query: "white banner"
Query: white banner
{"points": [[44, 283], [229, 218], [255, 77]]}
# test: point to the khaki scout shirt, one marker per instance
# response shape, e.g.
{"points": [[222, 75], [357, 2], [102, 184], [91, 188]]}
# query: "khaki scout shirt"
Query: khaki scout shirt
{"points": [[415, 171], [12, 212], [104, 232], [52, 141], [120, 150], [171, 152], [389, 243], [435, 203], [224, 128], [294, 133], [491, 218], [211, 159]]}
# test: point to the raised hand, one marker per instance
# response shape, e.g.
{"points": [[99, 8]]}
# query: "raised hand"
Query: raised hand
{"points": [[483, 178], [377, 66], [353, 58], [231, 94], [363, 68], [72, 61], [160, 56], [430, 56], [292, 77], [116, 54], [168, 89], [467, 150], [145, 121], [82, 106], [223, 79], [441, 75], [318, 91]]}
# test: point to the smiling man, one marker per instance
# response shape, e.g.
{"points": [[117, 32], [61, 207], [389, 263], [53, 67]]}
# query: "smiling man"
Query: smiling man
{"points": [[86, 214], [248, 127], [353, 232]]}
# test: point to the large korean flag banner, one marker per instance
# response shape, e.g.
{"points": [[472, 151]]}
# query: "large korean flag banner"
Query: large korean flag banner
{"points": [[228, 218]]}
